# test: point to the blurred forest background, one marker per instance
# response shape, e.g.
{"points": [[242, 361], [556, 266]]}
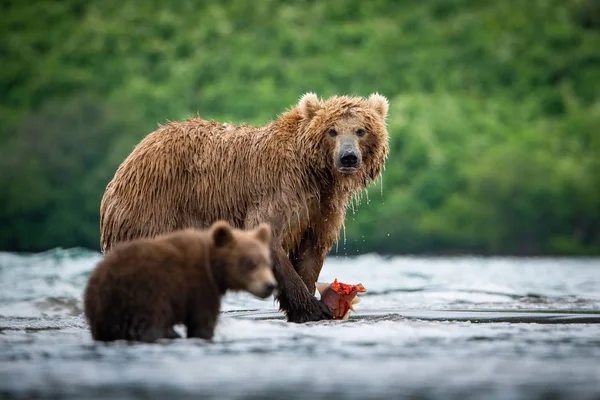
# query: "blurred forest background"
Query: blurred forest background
{"points": [[494, 109]]}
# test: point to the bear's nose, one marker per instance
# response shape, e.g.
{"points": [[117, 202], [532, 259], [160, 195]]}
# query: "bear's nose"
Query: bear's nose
{"points": [[269, 288], [349, 159]]}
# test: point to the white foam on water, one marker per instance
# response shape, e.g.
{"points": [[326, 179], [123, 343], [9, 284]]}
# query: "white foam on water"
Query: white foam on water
{"points": [[46, 349], [51, 284]]}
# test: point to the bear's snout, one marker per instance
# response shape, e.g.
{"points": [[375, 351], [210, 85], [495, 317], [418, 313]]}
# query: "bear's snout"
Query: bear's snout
{"points": [[269, 289], [262, 283], [263, 290], [349, 159]]}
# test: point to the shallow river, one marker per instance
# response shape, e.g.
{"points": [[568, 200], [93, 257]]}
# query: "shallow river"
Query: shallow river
{"points": [[428, 328]]}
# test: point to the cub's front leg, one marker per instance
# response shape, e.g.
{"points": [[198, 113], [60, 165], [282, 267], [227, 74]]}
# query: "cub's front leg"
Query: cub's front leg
{"points": [[203, 313]]}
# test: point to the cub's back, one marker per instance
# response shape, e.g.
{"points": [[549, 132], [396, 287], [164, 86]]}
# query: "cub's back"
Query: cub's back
{"points": [[144, 277]]}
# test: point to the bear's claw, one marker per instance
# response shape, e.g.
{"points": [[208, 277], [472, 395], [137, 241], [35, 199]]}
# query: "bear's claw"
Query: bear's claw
{"points": [[316, 311]]}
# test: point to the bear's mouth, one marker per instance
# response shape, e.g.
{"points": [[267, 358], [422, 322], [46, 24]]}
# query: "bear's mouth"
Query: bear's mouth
{"points": [[348, 170]]}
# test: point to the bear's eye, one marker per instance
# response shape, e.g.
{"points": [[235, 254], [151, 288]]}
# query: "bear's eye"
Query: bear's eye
{"points": [[360, 132], [247, 264], [332, 132]]}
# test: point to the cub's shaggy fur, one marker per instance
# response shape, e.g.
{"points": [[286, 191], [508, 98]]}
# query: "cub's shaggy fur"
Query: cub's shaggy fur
{"points": [[144, 287]]}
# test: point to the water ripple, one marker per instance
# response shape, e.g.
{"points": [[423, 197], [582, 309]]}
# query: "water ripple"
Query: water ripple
{"points": [[427, 328]]}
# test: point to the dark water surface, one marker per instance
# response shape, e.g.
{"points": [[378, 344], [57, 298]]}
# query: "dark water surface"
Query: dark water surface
{"points": [[428, 328]]}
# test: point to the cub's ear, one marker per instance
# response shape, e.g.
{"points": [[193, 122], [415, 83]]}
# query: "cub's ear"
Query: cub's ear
{"points": [[379, 104], [263, 233], [308, 105], [222, 234]]}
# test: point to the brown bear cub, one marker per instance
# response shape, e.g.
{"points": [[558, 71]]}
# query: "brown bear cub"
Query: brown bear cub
{"points": [[144, 287]]}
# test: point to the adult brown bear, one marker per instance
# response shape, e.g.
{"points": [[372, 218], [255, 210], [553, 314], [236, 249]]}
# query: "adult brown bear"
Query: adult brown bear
{"points": [[297, 174]]}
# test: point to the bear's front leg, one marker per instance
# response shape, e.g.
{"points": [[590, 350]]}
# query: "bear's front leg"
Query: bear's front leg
{"points": [[295, 298], [298, 303], [308, 260]]}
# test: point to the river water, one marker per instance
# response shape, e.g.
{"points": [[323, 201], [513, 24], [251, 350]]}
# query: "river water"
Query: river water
{"points": [[428, 328]]}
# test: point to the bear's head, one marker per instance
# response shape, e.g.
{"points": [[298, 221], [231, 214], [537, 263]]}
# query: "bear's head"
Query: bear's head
{"points": [[245, 258], [350, 133]]}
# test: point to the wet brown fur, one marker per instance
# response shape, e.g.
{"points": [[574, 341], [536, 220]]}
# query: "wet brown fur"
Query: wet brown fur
{"points": [[142, 288], [189, 174]]}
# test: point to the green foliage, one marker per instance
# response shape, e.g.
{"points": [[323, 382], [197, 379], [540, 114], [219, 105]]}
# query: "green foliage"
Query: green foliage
{"points": [[53, 173], [494, 109]]}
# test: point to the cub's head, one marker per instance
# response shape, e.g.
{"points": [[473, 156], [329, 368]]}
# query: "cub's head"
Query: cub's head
{"points": [[349, 133], [244, 257]]}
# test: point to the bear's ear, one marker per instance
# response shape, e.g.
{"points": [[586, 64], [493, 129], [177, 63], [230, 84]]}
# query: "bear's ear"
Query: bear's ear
{"points": [[222, 234], [308, 105], [379, 103], [263, 233]]}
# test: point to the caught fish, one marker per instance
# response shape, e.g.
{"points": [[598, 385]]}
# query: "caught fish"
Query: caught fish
{"points": [[340, 297]]}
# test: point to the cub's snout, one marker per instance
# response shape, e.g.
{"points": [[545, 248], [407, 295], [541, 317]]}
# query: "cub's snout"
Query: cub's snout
{"points": [[262, 282]]}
